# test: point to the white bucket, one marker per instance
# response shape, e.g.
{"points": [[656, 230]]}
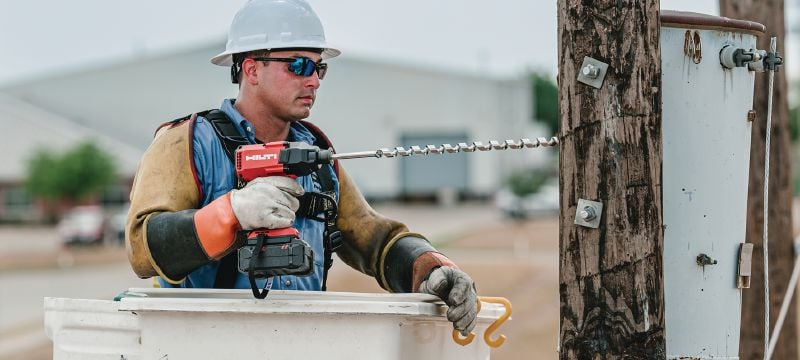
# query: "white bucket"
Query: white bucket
{"points": [[230, 324]]}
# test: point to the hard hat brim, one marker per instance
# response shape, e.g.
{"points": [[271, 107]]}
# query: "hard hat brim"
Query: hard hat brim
{"points": [[225, 58]]}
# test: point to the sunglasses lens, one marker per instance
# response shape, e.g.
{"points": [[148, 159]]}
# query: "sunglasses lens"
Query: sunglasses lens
{"points": [[305, 67], [309, 67], [321, 70], [297, 66]]}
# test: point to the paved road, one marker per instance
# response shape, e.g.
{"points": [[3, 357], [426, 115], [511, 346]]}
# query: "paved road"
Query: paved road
{"points": [[22, 294], [20, 240]]}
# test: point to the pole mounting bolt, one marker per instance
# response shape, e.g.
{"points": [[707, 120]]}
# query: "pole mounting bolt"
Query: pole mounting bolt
{"points": [[704, 260], [751, 116], [588, 213], [592, 72]]}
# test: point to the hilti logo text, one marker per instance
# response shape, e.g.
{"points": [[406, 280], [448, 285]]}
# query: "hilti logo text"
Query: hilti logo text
{"points": [[260, 157]]}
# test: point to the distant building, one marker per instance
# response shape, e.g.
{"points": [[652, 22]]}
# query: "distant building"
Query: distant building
{"points": [[362, 105]]}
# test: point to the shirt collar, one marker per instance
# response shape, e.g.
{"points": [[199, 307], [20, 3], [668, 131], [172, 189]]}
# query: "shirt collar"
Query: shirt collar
{"points": [[297, 132], [243, 126]]}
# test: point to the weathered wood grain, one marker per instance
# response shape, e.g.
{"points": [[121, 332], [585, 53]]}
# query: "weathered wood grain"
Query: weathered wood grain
{"points": [[611, 283]]}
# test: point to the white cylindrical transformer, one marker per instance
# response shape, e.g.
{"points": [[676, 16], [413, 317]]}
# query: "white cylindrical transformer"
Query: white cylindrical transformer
{"points": [[707, 114]]}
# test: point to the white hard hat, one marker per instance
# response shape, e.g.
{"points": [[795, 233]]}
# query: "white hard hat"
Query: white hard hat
{"points": [[274, 24]]}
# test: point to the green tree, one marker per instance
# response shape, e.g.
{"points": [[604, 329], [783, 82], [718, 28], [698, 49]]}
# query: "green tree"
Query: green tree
{"points": [[545, 100], [527, 181], [83, 171], [794, 118], [794, 110]]}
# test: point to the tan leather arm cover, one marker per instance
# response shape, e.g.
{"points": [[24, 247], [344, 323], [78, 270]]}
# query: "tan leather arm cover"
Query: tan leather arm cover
{"points": [[165, 181], [367, 235]]}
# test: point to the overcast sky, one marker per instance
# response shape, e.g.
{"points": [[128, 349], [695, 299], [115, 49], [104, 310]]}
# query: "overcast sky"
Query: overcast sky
{"points": [[40, 37]]}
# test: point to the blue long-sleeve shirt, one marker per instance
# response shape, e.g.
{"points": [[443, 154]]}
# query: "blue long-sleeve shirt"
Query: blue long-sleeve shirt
{"points": [[216, 175]]}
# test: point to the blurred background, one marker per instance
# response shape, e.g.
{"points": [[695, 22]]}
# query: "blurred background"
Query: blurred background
{"points": [[84, 83]]}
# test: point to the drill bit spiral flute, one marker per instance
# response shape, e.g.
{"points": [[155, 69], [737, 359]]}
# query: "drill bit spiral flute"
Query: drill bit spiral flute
{"points": [[450, 149]]}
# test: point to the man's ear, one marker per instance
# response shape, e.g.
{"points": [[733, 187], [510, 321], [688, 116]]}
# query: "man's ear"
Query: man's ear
{"points": [[249, 71]]}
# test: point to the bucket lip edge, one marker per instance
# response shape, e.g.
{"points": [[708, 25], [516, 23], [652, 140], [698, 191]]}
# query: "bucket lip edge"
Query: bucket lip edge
{"points": [[688, 19], [246, 294], [289, 302], [294, 307]]}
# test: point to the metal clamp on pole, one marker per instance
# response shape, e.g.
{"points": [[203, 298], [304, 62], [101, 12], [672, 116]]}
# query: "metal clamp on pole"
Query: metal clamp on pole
{"points": [[773, 60], [755, 60], [732, 57]]}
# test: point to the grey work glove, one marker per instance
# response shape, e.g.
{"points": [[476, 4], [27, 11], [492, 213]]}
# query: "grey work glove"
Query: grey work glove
{"points": [[266, 203], [457, 290]]}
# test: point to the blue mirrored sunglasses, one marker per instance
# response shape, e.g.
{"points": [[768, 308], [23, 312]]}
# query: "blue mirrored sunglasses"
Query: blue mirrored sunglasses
{"points": [[301, 66]]}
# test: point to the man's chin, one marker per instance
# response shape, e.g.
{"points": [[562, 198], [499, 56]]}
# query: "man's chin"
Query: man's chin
{"points": [[300, 116]]}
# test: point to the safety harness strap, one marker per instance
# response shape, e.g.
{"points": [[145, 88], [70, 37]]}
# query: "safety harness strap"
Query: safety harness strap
{"points": [[332, 237], [226, 132], [311, 204]]}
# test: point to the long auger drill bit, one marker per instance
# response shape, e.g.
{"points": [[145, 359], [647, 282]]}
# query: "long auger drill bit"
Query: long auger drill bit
{"points": [[450, 149]]}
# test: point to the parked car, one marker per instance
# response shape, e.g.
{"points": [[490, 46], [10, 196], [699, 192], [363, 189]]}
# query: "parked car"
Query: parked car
{"points": [[82, 225], [116, 226], [544, 202]]}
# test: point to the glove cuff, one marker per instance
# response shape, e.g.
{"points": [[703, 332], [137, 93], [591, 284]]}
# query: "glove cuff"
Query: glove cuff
{"points": [[216, 227], [398, 260], [182, 241], [423, 266]]}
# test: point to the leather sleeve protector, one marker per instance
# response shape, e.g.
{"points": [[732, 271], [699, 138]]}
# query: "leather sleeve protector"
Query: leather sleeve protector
{"points": [[165, 182], [399, 262]]}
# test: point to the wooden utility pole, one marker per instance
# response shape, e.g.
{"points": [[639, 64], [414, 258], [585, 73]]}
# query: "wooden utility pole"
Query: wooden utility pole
{"points": [[781, 252], [611, 281]]}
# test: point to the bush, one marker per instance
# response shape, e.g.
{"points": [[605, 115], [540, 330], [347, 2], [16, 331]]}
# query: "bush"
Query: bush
{"points": [[83, 171], [545, 100], [525, 182], [794, 119]]}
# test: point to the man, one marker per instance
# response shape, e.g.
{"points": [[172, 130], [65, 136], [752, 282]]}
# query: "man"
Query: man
{"points": [[186, 211]]}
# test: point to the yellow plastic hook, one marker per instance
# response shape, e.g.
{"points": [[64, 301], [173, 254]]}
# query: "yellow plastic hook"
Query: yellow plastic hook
{"points": [[462, 341], [496, 343], [467, 340], [487, 336]]}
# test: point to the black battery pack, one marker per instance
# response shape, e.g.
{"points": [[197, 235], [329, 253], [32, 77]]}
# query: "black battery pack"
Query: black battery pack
{"points": [[279, 255]]}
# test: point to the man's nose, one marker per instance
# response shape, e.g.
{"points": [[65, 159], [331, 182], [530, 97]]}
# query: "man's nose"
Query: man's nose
{"points": [[313, 81]]}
